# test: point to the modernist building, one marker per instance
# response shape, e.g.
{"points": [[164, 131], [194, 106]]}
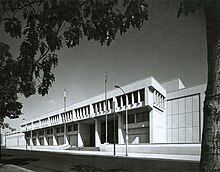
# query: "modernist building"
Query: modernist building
{"points": [[157, 113]]}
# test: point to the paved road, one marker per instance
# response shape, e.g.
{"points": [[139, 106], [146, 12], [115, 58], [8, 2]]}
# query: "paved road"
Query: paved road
{"points": [[61, 162]]}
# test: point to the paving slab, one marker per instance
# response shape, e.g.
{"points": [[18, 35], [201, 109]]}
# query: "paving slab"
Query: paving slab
{"points": [[12, 168]]}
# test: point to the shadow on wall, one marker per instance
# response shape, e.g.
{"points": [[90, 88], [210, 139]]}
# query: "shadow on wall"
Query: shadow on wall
{"points": [[88, 168]]}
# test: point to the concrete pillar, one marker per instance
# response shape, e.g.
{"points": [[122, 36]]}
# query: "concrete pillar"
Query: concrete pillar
{"points": [[104, 106], [65, 134], [109, 102], [132, 98], [97, 133], [45, 138], [121, 101], [54, 137], [59, 119], [80, 141], [115, 102], [100, 107], [92, 110], [121, 139], [139, 96]]}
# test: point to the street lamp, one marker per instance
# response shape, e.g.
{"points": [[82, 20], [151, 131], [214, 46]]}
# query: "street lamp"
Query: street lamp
{"points": [[126, 119]]}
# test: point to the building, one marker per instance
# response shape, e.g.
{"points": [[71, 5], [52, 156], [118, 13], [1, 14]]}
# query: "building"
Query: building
{"points": [[165, 114]]}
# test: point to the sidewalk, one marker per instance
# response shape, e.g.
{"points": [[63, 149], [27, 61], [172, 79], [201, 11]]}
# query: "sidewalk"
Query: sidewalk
{"points": [[194, 158], [12, 168]]}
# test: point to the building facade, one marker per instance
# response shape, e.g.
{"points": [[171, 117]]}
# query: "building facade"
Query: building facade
{"points": [[157, 113]]}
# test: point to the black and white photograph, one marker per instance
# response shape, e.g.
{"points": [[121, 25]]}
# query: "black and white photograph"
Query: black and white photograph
{"points": [[109, 85]]}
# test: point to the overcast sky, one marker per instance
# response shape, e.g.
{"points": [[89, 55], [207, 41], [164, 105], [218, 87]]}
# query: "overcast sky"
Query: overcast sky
{"points": [[166, 47]]}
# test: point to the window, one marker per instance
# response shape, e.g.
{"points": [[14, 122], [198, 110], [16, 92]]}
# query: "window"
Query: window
{"points": [[70, 128], [34, 133], [58, 130], [41, 132], [49, 131], [130, 118], [75, 127], [142, 117], [62, 129]]}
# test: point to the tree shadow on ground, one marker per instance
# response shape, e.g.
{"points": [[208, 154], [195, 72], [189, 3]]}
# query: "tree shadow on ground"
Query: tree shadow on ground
{"points": [[7, 155], [89, 168], [19, 161]]}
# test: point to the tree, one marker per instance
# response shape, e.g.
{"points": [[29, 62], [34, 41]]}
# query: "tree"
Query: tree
{"points": [[44, 26], [9, 85], [48, 23], [210, 155]]}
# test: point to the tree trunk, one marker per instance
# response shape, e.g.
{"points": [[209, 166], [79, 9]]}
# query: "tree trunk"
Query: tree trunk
{"points": [[210, 155]]}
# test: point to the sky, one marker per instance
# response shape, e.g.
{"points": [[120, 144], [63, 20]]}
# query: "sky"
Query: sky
{"points": [[166, 47]]}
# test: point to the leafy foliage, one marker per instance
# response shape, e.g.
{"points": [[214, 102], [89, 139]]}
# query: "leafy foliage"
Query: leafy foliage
{"points": [[9, 85], [45, 26]]}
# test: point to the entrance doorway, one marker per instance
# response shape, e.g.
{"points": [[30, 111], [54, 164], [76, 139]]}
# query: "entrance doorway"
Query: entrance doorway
{"points": [[110, 136]]}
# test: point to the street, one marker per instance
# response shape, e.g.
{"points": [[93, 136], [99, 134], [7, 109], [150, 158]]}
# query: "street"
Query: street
{"points": [[61, 162]]}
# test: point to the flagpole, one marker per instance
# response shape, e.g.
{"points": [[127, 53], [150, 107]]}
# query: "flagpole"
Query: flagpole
{"points": [[64, 99], [106, 107]]}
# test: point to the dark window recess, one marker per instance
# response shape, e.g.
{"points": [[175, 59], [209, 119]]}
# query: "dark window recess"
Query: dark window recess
{"points": [[50, 131], [70, 128], [130, 119], [34, 133], [41, 132], [98, 107], [135, 97], [95, 110], [88, 110], [124, 100], [119, 101], [142, 117], [129, 98], [28, 134], [142, 94], [75, 127], [111, 104], [62, 129], [58, 130]]}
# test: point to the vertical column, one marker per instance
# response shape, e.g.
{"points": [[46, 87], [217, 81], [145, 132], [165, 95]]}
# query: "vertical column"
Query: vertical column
{"points": [[109, 102], [115, 102], [66, 141], [45, 138], [59, 119], [100, 107], [121, 101], [54, 137], [97, 133], [104, 106], [132, 98], [139, 96], [121, 139], [92, 110], [80, 140]]}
